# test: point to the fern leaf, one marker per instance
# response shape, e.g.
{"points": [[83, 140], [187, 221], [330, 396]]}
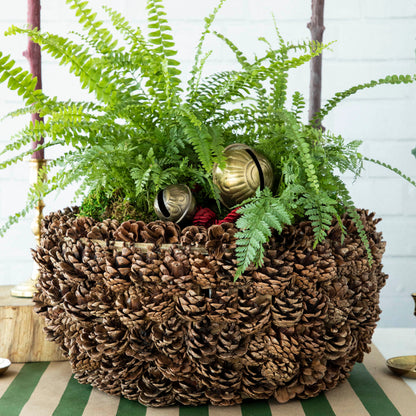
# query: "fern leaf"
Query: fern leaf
{"points": [[99, 37], [19, 80], [208, 145], [160, 36], [259, 215], [241, 59], [298, 105], [197, 67], [389, 167], [79, 60], [340, 96]]}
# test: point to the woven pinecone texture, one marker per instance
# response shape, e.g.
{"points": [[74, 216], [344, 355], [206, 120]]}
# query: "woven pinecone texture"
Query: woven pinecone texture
{"points": [[169, 327]]}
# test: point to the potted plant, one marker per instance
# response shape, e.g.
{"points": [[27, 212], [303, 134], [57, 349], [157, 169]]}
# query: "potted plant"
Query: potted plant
{"points": [[282, 303]]}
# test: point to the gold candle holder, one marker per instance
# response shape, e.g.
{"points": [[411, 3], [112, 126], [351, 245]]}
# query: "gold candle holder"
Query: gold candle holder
{"points": [[404, 365], [28, 288], [414, 298]]}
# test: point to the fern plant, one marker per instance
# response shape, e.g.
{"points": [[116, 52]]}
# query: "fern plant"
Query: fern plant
{"points": [[144, 128]]}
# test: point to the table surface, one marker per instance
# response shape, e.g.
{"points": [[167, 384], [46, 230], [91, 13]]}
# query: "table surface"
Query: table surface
{"points": [[392, 342]]}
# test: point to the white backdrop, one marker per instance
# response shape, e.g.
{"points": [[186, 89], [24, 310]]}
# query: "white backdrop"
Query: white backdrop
{"points": [[374, 38]]}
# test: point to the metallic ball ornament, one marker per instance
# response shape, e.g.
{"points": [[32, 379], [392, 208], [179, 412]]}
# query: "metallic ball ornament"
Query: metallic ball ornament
{"points": [[175, 203], [245, 170]]}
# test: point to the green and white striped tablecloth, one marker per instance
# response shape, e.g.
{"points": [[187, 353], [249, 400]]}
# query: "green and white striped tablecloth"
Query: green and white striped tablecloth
{"points": [[45, 389]]}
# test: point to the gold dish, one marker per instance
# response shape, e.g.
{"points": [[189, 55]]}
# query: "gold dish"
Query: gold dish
{"points": [[4, 365], [403, 366]]}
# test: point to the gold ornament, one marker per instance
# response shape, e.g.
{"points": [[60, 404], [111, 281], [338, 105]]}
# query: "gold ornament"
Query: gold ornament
{"points": [[245, 170], [175, 203]]}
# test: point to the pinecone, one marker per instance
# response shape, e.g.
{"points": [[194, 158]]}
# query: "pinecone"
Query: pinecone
{"points": [[311, 372], [221, 238], [55, 226], [117, 273], [256, 355], [281, 352], [160, 232], [338, 342], [287, 308], [254, 311], [201, 343], [159, 305], [224, 397], [176, 263], [178, 368], [155, 390], [101, 301], [80, 227], [140, 345], [219, 377], [315, 305], [191, 307], [112, 337], [311, 340], [168, 337], [288, 392], [254, 385], [231, 344], [222, 306], [129, 308], [147, 268], [272, 280], [130, 231], [188, 393], [194, 235], [204, 270]]}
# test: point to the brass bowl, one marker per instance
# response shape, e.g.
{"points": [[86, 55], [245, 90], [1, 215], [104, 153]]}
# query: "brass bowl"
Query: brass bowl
{"points": [[404, 366], [4, 365], [245, 170], [175, 203]]}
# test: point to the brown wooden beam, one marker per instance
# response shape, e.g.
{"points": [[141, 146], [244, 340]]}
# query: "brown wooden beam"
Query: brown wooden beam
{"points": [[316, 26]]}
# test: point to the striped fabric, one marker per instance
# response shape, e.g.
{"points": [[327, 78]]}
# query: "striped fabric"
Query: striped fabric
{"points": [[48, 388]]}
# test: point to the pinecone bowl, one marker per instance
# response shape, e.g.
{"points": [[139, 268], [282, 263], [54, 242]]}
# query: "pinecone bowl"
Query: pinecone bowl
{"points": [[151, 312]]}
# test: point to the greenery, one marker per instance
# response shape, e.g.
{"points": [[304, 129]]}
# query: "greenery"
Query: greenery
{"points": [[145, 128]]}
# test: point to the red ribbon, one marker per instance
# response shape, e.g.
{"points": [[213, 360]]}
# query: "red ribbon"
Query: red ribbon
{"points": [[206, 217]]}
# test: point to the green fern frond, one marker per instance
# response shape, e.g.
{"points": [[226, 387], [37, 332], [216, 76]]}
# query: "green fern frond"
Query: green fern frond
{"points": [[320, 210], [208, 146], [120, 23], [241, 59], [21, 156], [392, 169], [19, 80], [77, 58], [36, 192], [17, 113], [305, 156], [161, 38], [196, 71], [349, 207], [259, 215], [352, 212], [98, 36], [298, 105], [33, 132], [340, 96]]}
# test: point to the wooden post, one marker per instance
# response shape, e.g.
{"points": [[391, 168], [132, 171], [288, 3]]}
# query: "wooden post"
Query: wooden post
{"points": [[316, 26], [33, 55]]}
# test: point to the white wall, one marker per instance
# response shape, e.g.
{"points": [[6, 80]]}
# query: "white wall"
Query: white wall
{"points": [[374, 38]]}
